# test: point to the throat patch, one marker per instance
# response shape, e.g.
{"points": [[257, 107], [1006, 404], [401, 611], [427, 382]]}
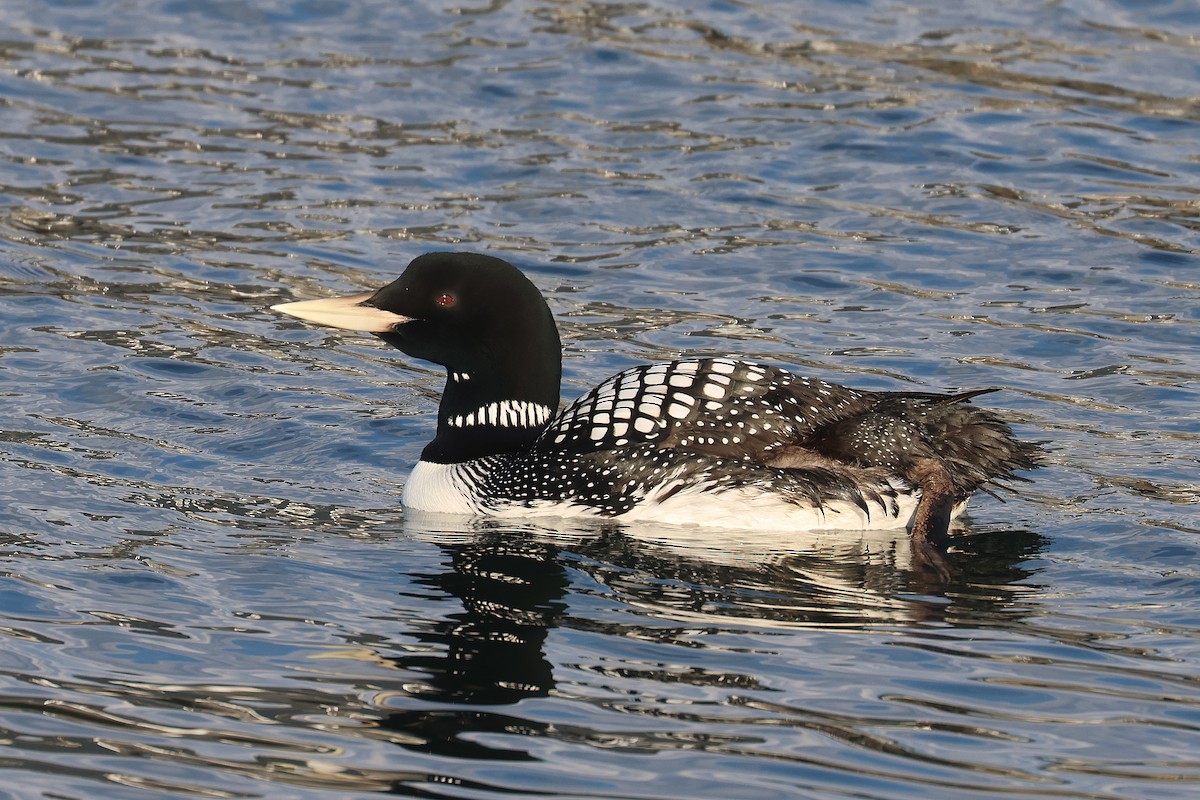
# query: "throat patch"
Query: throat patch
{"points": [[504, 414]]}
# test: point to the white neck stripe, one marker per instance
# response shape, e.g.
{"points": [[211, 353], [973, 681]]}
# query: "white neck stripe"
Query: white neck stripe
{"points": [[504, 414]]}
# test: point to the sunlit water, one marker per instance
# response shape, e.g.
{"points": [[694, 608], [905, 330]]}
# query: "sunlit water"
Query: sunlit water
{"points": [[209, 588]]}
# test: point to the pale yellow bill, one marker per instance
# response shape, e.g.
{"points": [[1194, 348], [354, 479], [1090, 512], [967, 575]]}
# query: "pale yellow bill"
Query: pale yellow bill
{"points": [[344, 312]]}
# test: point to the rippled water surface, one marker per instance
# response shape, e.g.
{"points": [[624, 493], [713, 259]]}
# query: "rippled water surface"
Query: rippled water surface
{"points": [[208, 586]]}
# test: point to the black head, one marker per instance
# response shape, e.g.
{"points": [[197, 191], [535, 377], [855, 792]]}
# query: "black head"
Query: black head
{"points": [[480, 318], [470, 313]]}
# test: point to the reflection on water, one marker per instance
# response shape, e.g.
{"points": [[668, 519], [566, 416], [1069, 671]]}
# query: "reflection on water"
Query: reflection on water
{"points": [[441, 686], [207, 587], [513, 588], [511, 591]]}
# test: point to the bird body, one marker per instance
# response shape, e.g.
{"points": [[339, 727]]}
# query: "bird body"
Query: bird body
{"points": [[713, 441]]}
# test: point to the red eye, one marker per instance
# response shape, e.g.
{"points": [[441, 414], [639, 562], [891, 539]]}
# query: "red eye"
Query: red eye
{"points": [[445, 300]]}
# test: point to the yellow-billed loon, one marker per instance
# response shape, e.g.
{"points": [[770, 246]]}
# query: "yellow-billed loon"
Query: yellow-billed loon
{"points": [[712, 441]]}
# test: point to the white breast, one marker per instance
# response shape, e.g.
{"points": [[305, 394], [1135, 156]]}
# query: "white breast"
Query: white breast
{"points": [[447, 489], [439, 487]]}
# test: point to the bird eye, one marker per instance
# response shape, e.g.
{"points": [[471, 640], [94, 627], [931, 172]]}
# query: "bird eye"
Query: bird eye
{"points": [[445, 300]]}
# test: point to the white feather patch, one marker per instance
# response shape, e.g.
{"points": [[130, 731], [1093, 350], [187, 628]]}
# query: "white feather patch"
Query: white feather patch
{"points": [[505, 414]]}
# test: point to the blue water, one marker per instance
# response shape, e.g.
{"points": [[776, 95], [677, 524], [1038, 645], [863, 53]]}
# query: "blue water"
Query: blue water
{"points": [[209, 588]]}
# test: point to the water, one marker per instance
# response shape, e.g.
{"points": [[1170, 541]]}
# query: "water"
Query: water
{"points": [[209, 588]]}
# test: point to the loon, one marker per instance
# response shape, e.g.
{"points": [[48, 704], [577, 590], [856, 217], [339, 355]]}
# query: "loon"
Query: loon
{"points": [[713, 441]]}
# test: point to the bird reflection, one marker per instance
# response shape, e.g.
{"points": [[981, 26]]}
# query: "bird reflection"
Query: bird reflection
{"points": [[512, 590], [514, 585]]}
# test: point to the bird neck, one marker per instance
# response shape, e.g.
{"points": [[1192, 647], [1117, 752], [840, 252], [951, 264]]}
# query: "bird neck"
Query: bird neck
{"points": [[493, 410]]}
